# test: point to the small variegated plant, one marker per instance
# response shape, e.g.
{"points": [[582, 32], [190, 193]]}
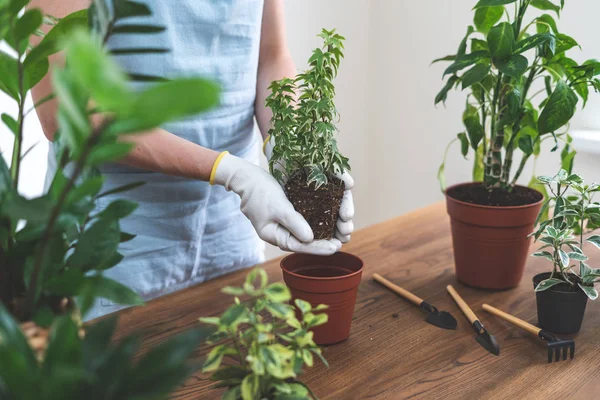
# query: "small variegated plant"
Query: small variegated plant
{"points": [[303, 130], [575, 214], [266, 340]]}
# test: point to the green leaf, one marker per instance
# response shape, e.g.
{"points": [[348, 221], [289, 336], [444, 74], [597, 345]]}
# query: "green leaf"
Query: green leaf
{"points": [[135, 50], [514, 66], [446, 58], [34, 73], [10, 123], [466, 61], [72, 117], [474, 128], [64, 344], [113, 291], [535, 41], [250, 387], [126, 9], [475, 75], [545, 254], [234, 291], [118, 209], [443, 94], [464, 143], [590, 291], [501, 41], [109, 152], [168, 101], [34, 210], [303, 306], [577, 256], [547, 284], [54, 39], [278, 292], [526, 144], [234, 315], [564, 258], [29, 22], [91, 67], [546, 23], [564, 43], [545, 5], [96, 244], [478, 165], [137, 28], [120, 189], [487, 17], [9, 75], [595, 240], [489, 3], [215, 357], [89, 187], [559, 109]]}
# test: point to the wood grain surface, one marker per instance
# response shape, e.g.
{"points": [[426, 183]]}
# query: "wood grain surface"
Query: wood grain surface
{"points": [[392, 352]]}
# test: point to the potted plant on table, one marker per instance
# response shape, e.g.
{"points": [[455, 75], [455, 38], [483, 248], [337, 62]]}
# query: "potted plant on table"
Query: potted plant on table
{"points": [[499, 62], [269, 340], [305, 159], [563, 293], [54, 248]]}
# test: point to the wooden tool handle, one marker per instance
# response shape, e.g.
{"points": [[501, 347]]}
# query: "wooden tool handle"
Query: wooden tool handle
{"points": [[398, 290], [534, 330], [464, 307]]}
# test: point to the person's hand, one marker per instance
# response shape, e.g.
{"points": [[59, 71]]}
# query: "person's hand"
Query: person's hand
{"points": [[344, 225], [267, 207]]}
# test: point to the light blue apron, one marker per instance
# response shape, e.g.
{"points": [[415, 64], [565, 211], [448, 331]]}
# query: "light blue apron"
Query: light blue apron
{"points": [[188, 231]]}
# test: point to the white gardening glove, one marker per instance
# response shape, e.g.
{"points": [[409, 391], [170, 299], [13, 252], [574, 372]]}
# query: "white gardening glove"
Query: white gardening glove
{"points": [[267, 207], [344, 224]]}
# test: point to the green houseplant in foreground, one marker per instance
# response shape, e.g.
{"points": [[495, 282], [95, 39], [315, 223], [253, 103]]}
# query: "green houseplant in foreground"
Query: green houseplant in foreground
{"points": [[55, 247], [269, 339], [562, 294], [523, 89], [305, 157]]}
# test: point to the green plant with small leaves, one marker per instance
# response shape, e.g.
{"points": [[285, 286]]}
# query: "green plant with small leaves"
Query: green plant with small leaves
{"points": [[500, 62], [575, 214], [268, 339], [94, 367], [303, 130]]}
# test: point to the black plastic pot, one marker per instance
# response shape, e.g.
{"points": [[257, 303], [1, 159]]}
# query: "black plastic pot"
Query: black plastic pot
{"points": [[559, 309]]}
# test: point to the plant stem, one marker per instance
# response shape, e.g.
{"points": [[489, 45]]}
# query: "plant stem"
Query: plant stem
{"points": [[18, 142], [494, 157], [239, 350], [34, 277], [520, 169]]}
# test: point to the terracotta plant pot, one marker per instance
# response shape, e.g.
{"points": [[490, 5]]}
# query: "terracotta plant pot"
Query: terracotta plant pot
{"points": [[331, 280], [560, 310], [491, 243]]}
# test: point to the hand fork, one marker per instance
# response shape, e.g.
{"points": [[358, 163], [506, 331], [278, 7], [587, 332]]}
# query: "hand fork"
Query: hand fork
{"points": [[553, 343]]}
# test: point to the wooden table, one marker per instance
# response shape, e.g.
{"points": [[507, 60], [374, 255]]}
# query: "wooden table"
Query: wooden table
{"points": [[392, 353]]}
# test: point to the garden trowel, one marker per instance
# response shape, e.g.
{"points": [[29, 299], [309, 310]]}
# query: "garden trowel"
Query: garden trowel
{"points": [[483, 336], [435, 317]]}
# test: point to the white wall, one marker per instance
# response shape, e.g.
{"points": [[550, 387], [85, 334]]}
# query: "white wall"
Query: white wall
{"points": [[391, 131]]}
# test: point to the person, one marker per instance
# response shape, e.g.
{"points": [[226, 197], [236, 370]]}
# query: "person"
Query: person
{"points": [[188, 229]]}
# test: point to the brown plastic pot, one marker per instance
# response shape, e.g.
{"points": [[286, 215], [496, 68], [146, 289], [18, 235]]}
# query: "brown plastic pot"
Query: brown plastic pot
{"points": [[491, 243], [331, 280]]}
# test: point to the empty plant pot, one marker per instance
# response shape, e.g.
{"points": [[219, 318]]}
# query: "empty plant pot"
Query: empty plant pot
{"points": [[561, 308], [491, 243], [331, 280]]}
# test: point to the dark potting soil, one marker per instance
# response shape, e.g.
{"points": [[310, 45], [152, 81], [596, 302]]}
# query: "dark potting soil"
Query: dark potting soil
{"points": [[320, 207], [323, 271], [478, 194]]}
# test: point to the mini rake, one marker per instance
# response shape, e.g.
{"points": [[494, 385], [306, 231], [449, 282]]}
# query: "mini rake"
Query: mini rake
{"points": [[555, 345]]}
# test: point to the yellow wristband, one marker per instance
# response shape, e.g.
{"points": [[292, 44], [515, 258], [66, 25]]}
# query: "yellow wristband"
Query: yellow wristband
{"points": [[213, 172], [265, 144]]}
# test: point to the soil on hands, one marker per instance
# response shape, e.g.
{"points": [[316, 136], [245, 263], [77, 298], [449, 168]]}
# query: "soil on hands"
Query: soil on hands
{"points": [[319, 207]]}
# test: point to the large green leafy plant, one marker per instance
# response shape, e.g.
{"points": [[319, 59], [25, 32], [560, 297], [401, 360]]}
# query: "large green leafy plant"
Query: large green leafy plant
{"points": [[90, 368], [500, 62], [57, 245], [269, 340], [575, 214], [303, 130]]}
